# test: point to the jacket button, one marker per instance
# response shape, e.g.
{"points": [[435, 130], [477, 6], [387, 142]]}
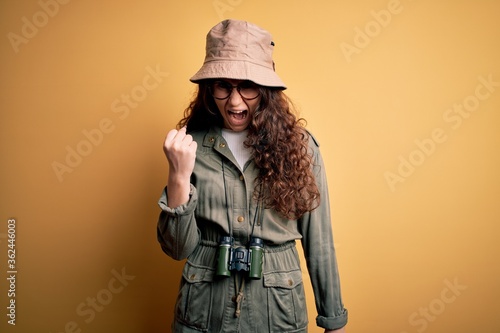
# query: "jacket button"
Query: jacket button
{"points": [[241, 177], [212, 139], [192, 276], [241, 219], [222, 145], [290, 282]]}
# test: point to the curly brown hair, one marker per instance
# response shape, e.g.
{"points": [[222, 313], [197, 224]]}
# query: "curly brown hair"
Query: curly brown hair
{"points": [[279, 143]]}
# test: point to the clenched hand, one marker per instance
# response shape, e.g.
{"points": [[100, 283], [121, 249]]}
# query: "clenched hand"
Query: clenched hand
{"points": [[180, 150]]}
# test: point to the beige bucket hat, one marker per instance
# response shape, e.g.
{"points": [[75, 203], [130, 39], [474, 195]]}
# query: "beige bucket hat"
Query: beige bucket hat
{"points": [[239, 50]]}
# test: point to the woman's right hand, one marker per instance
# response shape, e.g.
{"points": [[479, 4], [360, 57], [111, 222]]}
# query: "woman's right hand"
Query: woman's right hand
{"points": [[180, 150]]}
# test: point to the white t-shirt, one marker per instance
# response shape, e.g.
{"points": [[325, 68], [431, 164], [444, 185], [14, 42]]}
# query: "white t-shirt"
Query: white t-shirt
{"points": [[235, 142]]}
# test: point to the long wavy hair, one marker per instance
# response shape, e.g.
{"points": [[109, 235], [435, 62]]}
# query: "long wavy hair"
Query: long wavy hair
{"points": [[279, 143]]}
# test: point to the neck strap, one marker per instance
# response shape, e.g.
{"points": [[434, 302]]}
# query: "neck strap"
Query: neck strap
{"points": [[258, 217]]}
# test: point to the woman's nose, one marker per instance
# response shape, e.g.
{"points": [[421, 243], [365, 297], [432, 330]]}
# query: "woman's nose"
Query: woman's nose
{"points": [[235, 97]]}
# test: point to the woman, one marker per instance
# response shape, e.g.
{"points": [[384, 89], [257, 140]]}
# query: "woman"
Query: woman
{"points": [[246, 180]]}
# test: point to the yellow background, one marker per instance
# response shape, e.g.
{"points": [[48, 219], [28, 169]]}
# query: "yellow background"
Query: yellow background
{"points": [[400, 245]]}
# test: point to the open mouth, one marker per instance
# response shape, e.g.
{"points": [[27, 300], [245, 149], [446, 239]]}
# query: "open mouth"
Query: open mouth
{"points": [[239, 115]]}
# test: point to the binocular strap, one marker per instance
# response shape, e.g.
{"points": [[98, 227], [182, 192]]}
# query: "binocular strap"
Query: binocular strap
{"points": [[258, 217]]}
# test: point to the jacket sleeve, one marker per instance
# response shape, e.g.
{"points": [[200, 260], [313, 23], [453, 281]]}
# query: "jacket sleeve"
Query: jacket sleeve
{"points": [[177, 230], [319, 252]]}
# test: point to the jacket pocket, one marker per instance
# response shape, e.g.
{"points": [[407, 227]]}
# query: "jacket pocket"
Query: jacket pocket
{"points": [[286, 301], [194, 302]]}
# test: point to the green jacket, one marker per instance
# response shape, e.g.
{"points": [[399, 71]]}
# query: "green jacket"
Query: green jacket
{"points": [[222, 194]]}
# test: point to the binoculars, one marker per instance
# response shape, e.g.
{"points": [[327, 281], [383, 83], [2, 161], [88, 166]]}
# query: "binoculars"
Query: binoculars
{"points": [[244, 259]]}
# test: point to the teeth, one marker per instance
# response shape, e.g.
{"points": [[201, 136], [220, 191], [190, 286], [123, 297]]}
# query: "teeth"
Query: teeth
{"points": [[238, 114]]}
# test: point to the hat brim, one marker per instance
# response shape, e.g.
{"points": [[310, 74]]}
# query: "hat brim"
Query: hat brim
{"points": [[238, 70]]}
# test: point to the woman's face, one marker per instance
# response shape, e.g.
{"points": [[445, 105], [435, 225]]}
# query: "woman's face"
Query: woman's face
{"points": [[236, 105]]}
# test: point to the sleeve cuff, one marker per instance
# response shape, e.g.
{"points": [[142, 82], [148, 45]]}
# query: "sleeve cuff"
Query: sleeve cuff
{"points": [[332, 323], [183, 209]]}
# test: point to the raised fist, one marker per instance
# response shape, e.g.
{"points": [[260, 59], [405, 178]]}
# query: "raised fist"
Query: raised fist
{"points": [[180, 150]]}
